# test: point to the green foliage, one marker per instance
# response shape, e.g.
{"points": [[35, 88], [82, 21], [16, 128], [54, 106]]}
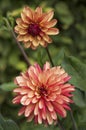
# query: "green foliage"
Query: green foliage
{"points": [[79, 98], [77, 71], [8, 86], [31, 126], [64, 14], [7, 124], [71, 16]]}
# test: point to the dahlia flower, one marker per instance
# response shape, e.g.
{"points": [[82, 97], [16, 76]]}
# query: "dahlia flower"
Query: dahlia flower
{"points": [[43, 93], [34, 27]]}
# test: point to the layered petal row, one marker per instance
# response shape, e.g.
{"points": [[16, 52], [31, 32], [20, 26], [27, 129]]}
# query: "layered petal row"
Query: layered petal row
{"points": [[34, 27], [43, 93]]}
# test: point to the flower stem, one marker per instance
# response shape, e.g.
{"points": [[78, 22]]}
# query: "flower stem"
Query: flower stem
{"points": [[49, 56], [59, 122], [71, 113], [60, 125], [73, 121], [18, 44]]}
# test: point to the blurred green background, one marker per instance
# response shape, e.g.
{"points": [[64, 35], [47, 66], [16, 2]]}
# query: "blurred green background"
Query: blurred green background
{"points": [[71, 16]]}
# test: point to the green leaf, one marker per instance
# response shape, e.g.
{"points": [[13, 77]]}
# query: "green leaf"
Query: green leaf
{"points": [[32, 126], [10, 125], [64, 13], [1, 128], [2, 121], [7, 124], [77, 70], [82, 127], [8, 86], [82, 116], [66, 121], [59, 57], [79, 98], [78, 65]]}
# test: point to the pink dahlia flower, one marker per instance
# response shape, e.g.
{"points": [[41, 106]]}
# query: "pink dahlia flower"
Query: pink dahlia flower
{"points": [[43, 93], [34, 27]]}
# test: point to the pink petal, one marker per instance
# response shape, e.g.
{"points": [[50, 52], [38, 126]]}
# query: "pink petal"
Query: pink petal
{"points": [[23, 99], [44, 114], [53, 115], [46, 66], [21, 111], [20, 81], [36, 111], [39, 118], [34, 100], [17, 99], [49, 118], [31, 116], [59, 109], [28, 110], [49, 106], [31, 94], [41, 104]]}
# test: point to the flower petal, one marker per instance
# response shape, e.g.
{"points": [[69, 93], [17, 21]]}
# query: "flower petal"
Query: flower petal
{"points": [[47, 17], [51, 23], [41, 104], [36, 111], [52, 31], [47, 39], [28, 110], [28, 12], [25, 18], [39, 11], [46, 66], [21, 111]]}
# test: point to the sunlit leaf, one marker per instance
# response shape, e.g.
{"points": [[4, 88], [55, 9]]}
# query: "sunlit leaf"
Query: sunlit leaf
{"points": [[8, 86]]}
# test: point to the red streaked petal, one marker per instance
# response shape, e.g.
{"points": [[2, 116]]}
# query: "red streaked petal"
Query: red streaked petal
{"points": [[49, 106], [41, 104], [53, 115], [39, 118], [20, 81], [59, 109], [28, 110], [17, 99], [31, 116], [49, 118], [21, 111], [36, 111]]}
